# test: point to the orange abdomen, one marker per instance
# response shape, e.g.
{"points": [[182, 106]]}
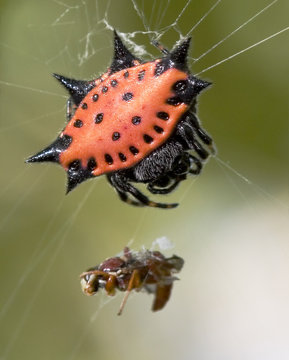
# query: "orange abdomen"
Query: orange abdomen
{"points": [[123, 119]]}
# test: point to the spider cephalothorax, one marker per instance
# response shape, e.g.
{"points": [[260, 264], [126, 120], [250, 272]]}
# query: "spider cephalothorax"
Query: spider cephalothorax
{"points": [[135, 123], [144, 270]]}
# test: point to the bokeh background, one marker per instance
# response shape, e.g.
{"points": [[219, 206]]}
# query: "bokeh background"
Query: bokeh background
{"points": [[231, 225]]}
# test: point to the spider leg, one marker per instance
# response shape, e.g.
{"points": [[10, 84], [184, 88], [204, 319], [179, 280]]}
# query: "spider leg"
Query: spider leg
{"points": [[146, 201], [123, 195], [187, 163], [203, 135], [195, 161], [122, 186], [165, 190], [187, 134]]}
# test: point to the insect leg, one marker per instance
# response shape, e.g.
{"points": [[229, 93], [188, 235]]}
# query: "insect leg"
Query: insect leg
{"points": [[94, 272], [134, 282], [111, 285], [90, 281]]}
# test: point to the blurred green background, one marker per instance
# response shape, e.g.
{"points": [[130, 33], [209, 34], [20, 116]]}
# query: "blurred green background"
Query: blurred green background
{"points": [[232, 222]]}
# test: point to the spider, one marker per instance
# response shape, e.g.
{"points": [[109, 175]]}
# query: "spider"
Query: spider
{"points": [[147, 270], [136, 123]]}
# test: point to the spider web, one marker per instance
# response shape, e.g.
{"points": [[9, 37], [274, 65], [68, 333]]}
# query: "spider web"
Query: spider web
{"points": [[230, 227]]}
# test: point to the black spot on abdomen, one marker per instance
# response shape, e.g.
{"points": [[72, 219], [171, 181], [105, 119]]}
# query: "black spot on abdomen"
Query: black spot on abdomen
{"points": [[95, 97], [91, 164], [127, 96], [141, 75], [78, 123], [148, 139], [136, 120], [163, 115], [158, 129], [115, 136], [122, 157], [108, 159], [98, 119], [133, 150], [175, 101]]}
